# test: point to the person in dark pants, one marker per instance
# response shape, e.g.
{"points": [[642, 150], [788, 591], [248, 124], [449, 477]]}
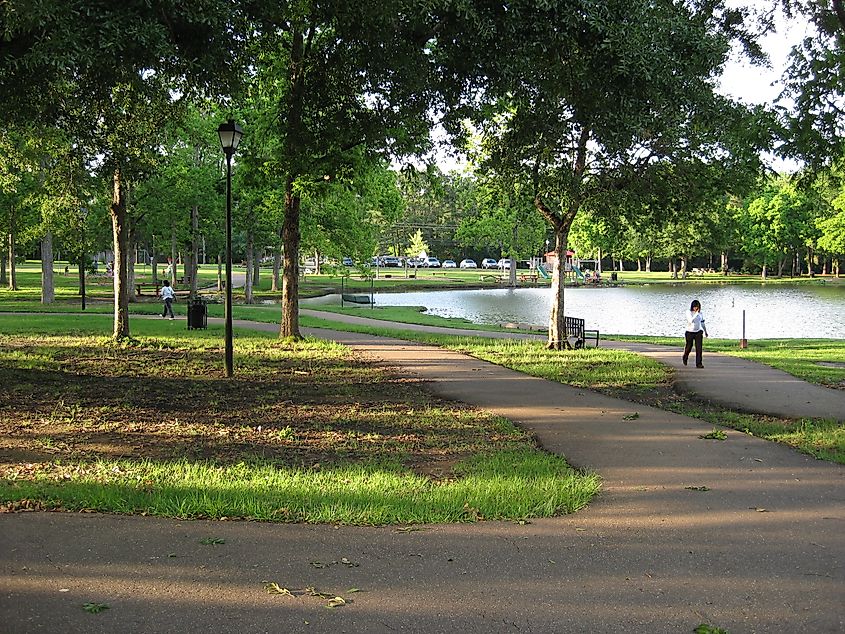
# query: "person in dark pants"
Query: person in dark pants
{"points": [[695, 333], [167, 295]]}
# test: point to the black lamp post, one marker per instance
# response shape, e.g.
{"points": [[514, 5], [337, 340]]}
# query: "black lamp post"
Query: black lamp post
{"points": [[230, 135]]}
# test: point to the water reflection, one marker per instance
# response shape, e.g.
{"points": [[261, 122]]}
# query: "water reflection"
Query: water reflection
{"points": [[771, 311]]}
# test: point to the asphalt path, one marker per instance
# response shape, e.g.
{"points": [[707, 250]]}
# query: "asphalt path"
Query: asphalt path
{"points": [[742, 534], [730, 381]]}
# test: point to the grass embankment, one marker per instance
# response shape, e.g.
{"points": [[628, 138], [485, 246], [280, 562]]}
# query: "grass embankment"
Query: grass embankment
{"points": [[642, 380], [303, 432]]}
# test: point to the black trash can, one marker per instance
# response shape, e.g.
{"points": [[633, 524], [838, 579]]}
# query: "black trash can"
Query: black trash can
{"points": [[613, 277], [197, 314]]}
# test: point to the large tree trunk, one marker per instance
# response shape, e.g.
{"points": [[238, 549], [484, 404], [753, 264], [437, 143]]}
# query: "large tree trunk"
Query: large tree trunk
{"points": [[764, 272], [683, 267], [290, 272], [4, 278], [47, 288], [648, 264], [562, 223], [289, 327], [120, 234], [810, 256], [557, 331], [724, 259]]}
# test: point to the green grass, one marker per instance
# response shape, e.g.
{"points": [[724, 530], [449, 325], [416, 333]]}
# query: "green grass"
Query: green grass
{"points": [[503, 485], [304, 432]]}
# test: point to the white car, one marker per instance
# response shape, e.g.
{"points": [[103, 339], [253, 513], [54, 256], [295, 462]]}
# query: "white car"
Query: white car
{"points": [[468, 264], [449, 264], [433, 263], [488, 263], [504, 263]]}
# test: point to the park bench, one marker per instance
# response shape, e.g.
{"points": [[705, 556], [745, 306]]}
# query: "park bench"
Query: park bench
{"points": [[356, 299], [577, 334], [140, 286], [528, 277]]}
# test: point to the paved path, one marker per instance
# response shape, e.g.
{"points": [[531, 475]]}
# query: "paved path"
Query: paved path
{"points": [[736, 383], [761, 551]]}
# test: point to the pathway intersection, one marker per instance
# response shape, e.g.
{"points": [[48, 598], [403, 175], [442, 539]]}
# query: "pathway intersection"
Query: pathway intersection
{"points": [[742, 534]]}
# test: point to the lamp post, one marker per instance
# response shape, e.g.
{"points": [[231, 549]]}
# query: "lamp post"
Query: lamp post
{"points": [[230, 134]]}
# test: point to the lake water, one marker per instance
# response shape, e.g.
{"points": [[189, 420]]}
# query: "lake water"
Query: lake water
{"points": [[771, 311]]}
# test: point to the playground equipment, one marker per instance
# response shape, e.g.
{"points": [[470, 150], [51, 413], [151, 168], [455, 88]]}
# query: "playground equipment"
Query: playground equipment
{"points": [[542, 272]]}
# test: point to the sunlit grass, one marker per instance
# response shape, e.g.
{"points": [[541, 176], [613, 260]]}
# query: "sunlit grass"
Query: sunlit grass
{"points": [[304, 432], [501, 485]]}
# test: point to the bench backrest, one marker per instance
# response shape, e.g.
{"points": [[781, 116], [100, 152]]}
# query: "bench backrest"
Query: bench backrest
{"points": [[574, 327]]}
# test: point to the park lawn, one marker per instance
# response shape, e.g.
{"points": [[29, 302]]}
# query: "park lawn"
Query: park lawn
{"points": [[305, 432]]}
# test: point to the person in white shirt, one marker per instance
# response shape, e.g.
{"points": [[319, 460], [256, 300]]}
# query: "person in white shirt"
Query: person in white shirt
{"points": [[696, 331], [167, 295]]}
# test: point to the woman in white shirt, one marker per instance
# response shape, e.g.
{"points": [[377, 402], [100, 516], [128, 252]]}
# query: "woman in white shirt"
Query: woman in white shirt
{"points": [[167, 295], [695, 333]]}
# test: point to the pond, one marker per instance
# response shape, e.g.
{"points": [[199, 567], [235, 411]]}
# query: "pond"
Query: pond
{"points": [[771, 311]]}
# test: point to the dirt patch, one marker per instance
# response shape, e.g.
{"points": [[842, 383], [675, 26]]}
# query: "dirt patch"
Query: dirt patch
{"points": [[67, 402]]}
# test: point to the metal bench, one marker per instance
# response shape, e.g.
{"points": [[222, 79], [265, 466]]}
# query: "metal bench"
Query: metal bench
{"points": [[577, 334]]}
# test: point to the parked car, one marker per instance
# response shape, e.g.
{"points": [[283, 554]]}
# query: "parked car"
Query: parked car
{"points": [[468, 264], [415, 262], [488, 263], [390, 260], [348, 262], [433, 263], [449, 264], [504, 263]]}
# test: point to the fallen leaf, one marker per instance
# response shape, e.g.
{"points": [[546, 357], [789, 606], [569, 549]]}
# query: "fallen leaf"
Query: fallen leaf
{"points": [[274, 588], [336, 602]]}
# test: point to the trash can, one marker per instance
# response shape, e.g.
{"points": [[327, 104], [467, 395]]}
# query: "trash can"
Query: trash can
{"points": [[613, 277], [197, 314]]}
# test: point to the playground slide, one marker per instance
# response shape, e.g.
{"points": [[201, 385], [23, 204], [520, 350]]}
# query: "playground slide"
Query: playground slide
{"points": [[543, 272], [578, 273]]}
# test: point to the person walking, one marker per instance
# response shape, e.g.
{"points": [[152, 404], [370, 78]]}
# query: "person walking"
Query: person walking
{"points": [[167, 295], [696, 331]]}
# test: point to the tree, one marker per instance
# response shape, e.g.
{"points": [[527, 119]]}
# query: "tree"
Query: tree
{"points": [[108, 74], [815, 119], [587, 100], [505, 217], [779, 223], [336, 77]]}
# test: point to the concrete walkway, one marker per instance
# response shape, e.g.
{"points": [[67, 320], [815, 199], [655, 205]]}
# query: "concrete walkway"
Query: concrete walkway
{"points": [[736, 383], [760, 550]]}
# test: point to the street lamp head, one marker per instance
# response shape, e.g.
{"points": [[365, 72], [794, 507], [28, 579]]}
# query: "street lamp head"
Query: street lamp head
{"points": [[230, 134]]}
